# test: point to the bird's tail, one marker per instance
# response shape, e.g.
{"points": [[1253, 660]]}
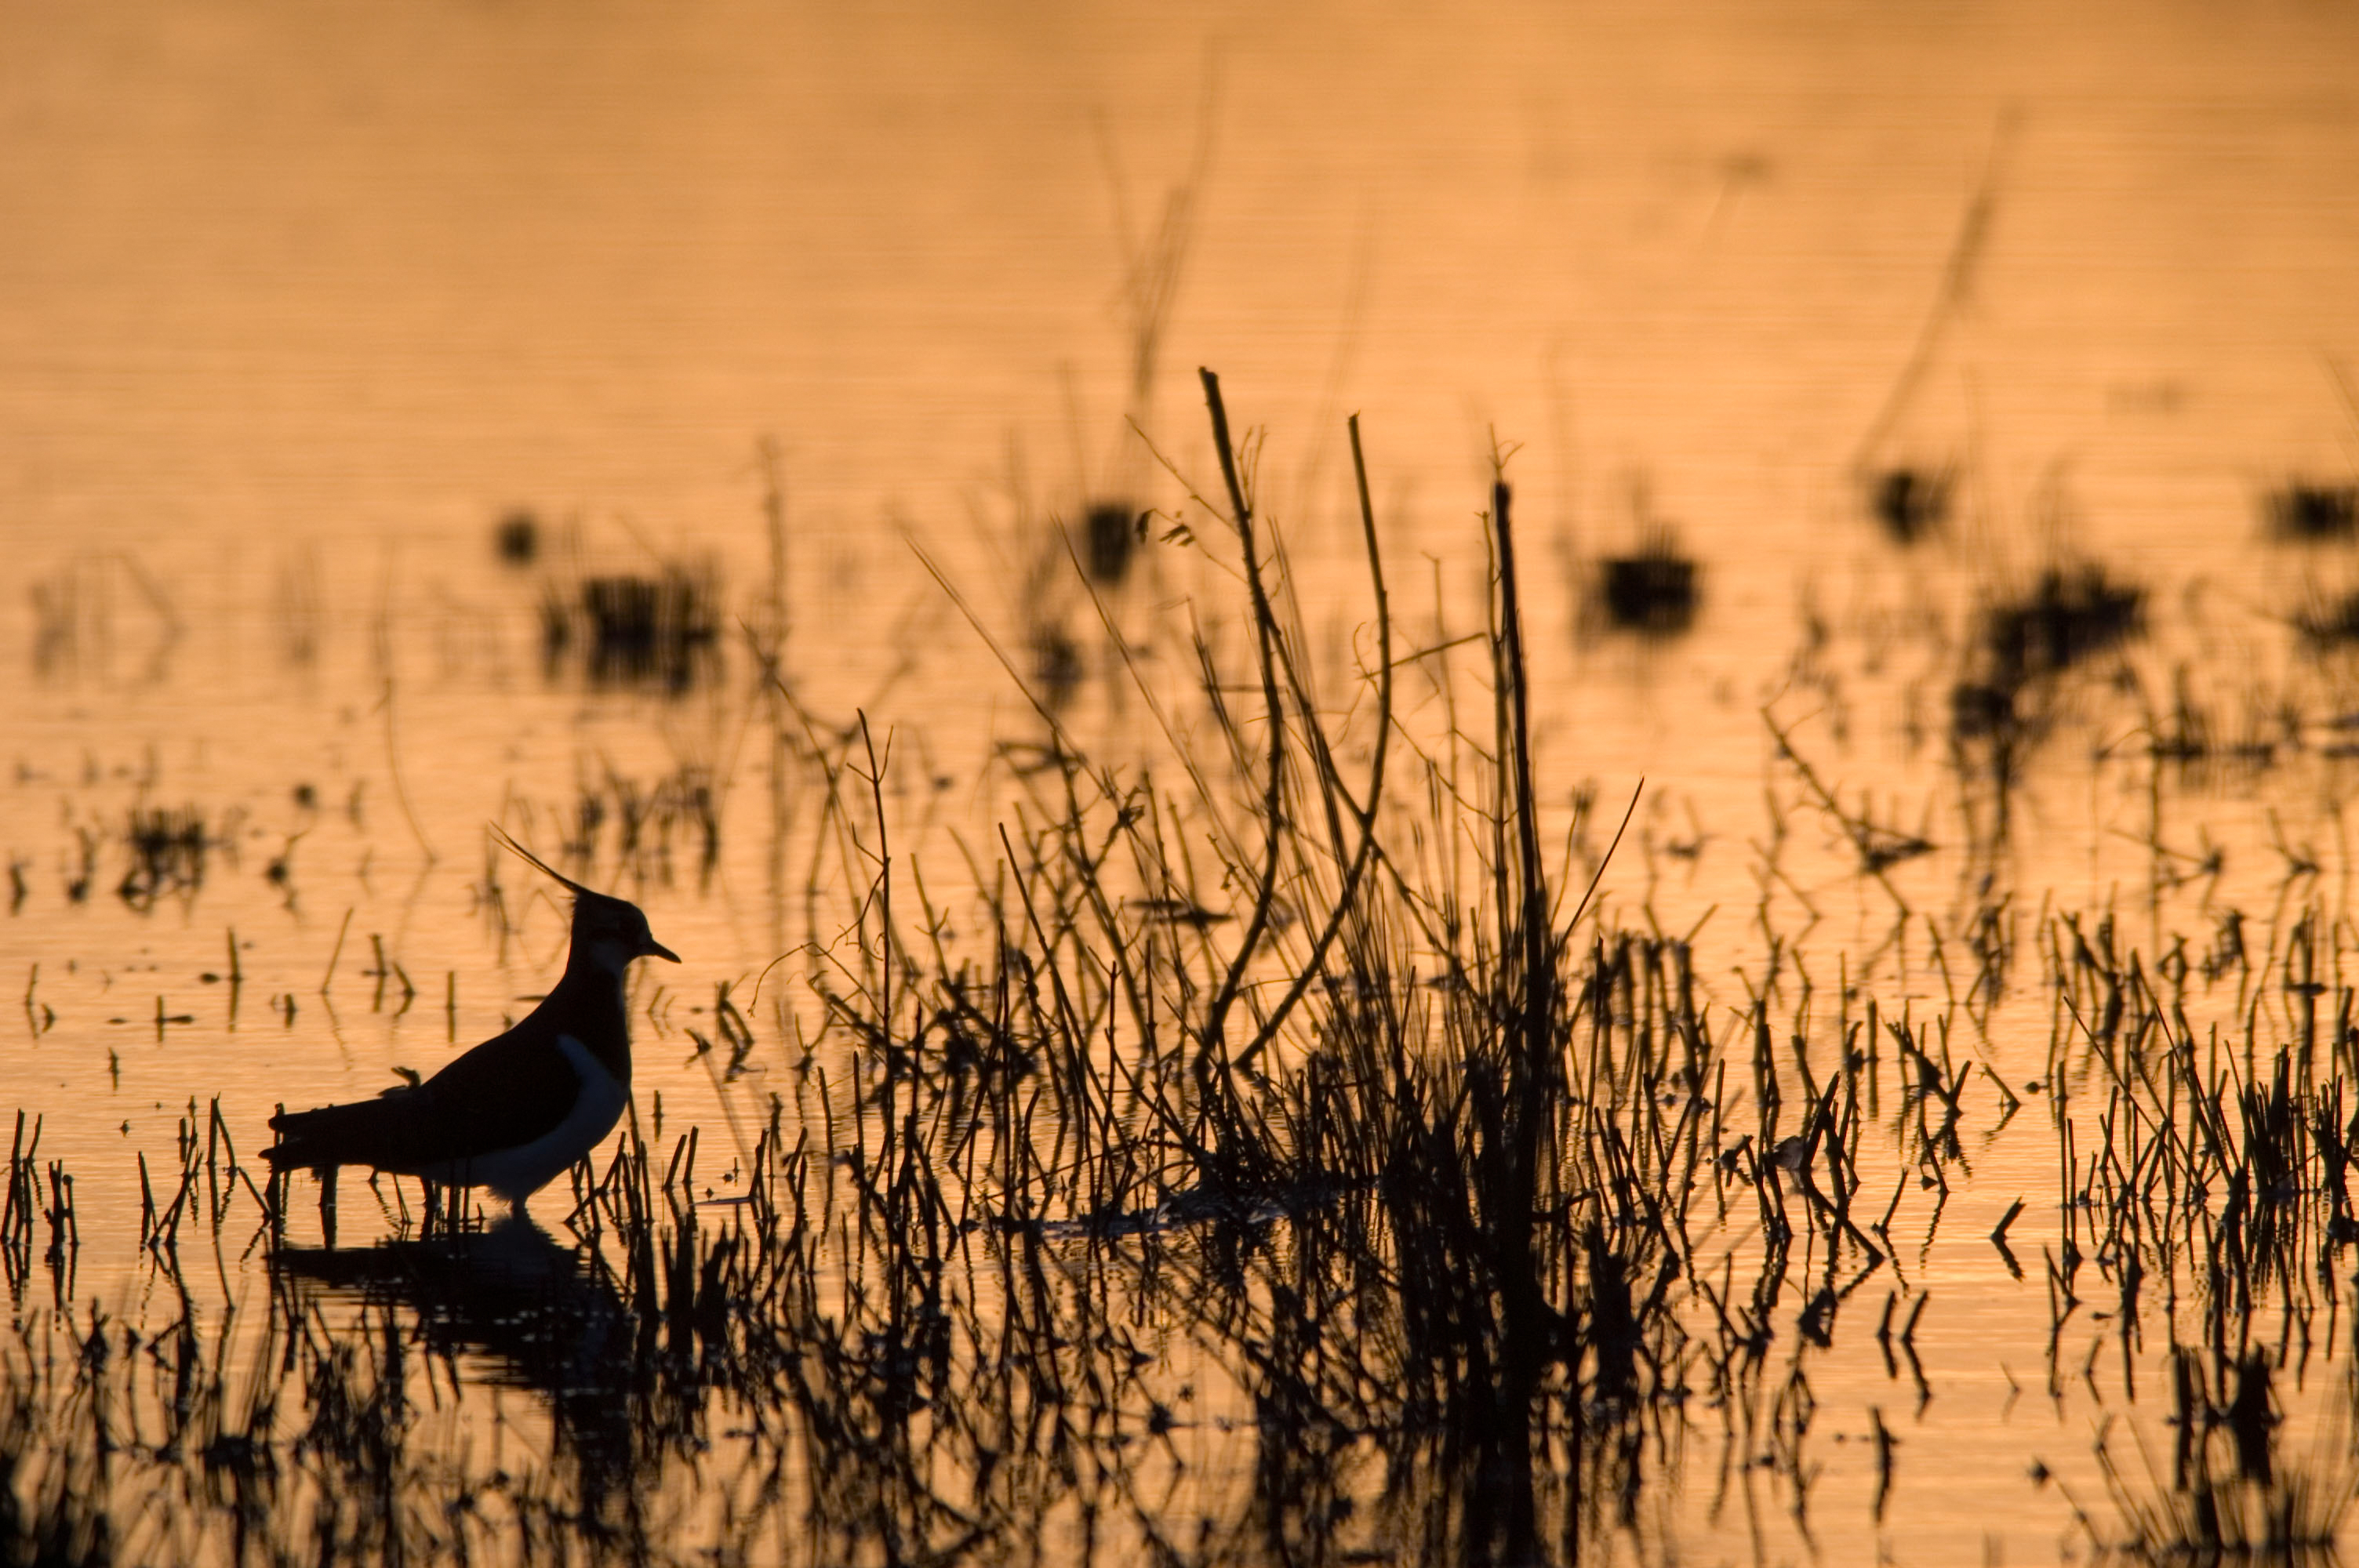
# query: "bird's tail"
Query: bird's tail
{"points": [[366, 1132]]}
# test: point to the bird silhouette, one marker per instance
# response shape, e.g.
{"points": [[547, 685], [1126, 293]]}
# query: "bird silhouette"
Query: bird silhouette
{"points": [[517, 1110]]}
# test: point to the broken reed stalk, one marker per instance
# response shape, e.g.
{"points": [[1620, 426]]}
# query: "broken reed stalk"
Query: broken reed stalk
{"points": [[1273, 813]]}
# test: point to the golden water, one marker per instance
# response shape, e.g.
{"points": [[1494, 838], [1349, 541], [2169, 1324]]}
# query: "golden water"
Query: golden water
{"points": [[296, 302]]}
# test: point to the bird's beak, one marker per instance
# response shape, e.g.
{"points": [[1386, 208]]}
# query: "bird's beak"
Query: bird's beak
{"points": [[655, 950]]}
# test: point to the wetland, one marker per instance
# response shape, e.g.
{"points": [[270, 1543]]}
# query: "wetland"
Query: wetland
{"points": [[1614, 904]]}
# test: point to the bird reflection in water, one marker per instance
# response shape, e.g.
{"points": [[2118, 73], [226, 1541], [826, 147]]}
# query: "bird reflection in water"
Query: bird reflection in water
{"points": [[548, 1317]]}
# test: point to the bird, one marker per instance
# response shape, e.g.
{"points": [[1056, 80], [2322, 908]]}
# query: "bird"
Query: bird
{"points": [[514, 1112]]}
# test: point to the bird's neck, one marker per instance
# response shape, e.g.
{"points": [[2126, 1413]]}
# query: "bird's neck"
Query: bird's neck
{"points": [[590, 1001]]}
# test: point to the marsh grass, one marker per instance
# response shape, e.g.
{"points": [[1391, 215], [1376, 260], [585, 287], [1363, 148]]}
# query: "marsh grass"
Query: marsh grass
{"points": [[1413, 1161], [1275, 1157]]}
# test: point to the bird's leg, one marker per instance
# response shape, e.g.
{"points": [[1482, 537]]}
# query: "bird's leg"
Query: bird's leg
{"points": [[328, 1205]]}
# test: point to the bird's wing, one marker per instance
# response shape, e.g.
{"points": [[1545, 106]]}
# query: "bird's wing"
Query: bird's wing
{"points": [[510, 1090]]}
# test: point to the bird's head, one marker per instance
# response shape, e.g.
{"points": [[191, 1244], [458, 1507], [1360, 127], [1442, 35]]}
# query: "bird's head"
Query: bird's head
{"points": [[609, 932], [612, 932]]}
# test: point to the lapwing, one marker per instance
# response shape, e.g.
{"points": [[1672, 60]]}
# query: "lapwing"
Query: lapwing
{"points": [[517, 1110]]}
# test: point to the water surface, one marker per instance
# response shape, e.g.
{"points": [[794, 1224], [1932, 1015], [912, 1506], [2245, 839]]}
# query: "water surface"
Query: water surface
{"points": [[302, 303]]}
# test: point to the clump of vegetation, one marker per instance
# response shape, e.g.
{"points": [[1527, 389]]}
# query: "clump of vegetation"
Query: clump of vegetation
{"points": [[2070, 614], [167, 853], [515, 537], [2308, 512], [1911, 503], [2004, 702], [630, 629], [1655, 590], [1111, 532], [1415, 1159]]}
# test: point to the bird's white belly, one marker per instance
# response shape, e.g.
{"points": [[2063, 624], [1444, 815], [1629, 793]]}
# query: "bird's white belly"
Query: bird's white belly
{"points": [[516, 1173]]}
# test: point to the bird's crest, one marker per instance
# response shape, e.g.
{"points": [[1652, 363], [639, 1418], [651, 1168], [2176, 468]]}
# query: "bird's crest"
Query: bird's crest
{"points": [[614, 929], [509, 843]]}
